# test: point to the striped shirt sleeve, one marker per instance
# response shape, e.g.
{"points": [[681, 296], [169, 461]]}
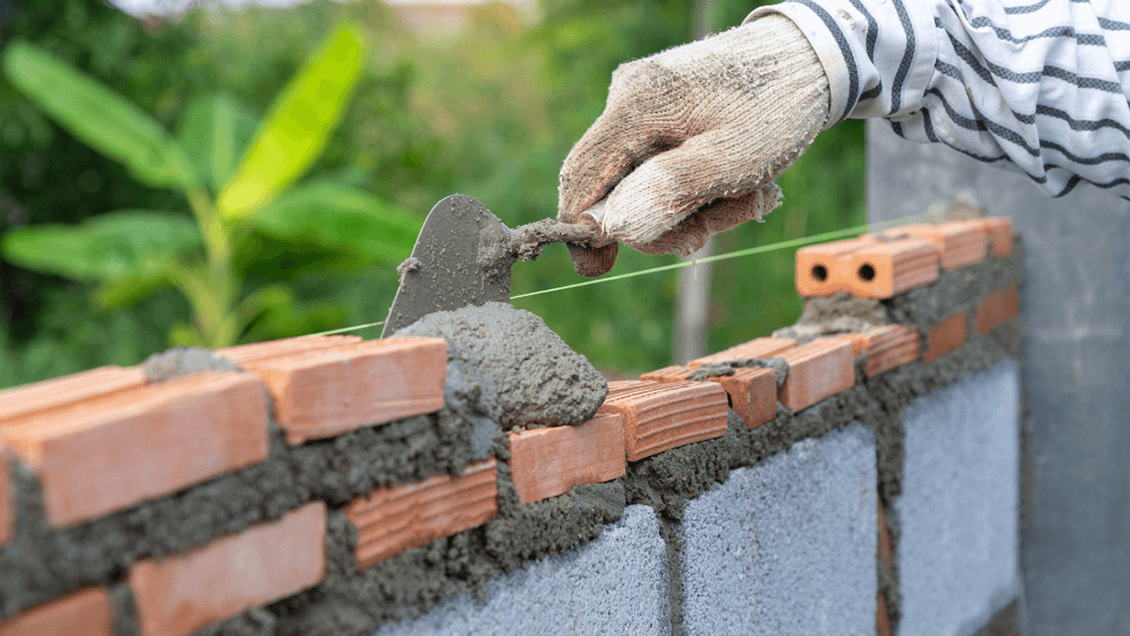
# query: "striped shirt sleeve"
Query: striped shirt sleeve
{"points": [[1035, 86]]}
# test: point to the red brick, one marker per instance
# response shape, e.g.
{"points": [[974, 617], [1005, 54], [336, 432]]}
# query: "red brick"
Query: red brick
{"points": [[326, 392], [675, 373], [818, 267], [83, 613], [546, 462], [817, 370], [752, 391], [659, 417], [886, 553], [40, 397], [961, 242], [882, 620], [7, 504], [392, 520], [883, 269], [753, 394], [756, 348], [887, 347], [110, 453], [999, 229], [998, 308], [946, 336], [230, 575], [285, 346]]}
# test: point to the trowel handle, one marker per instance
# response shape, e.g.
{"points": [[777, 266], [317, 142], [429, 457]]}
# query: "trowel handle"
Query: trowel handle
{"points": [[591, 219], [585, 231], [596, 210]]}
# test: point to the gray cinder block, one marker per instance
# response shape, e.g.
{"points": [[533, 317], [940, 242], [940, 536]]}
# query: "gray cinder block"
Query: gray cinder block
{"points": [[617, 584], [1076, 302], [959, 510], [786, 546]]}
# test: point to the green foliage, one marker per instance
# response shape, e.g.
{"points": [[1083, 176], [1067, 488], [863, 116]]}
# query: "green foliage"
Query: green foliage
{"points": [[491, 114], [295, 131], [97, 116], [214, 134], [134, 253], [107, 247], [342, 218]]}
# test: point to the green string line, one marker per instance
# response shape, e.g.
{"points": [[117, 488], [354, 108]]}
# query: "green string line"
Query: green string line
{"points": [[750, 251], [344, 329]]}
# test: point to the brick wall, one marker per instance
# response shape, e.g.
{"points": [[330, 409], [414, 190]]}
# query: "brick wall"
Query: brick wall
{"points": [[327, 484]]}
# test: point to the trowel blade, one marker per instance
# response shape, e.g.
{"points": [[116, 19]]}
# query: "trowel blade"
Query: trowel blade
{"points": [[445, 271]]}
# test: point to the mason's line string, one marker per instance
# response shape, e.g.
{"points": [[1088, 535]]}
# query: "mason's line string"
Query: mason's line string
{"points": [[749, 251]]}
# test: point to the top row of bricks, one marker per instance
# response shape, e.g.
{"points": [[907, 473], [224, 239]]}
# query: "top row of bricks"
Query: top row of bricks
{"points": [[103, 440], [898, 260]]}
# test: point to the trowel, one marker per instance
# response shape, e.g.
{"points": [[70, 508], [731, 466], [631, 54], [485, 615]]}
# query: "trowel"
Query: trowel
{"points": [[464, 253]]}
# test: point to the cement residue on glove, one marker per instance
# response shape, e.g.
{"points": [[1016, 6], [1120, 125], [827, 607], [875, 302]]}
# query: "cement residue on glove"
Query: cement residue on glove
{"points": [[691, 139], [506, 364]]}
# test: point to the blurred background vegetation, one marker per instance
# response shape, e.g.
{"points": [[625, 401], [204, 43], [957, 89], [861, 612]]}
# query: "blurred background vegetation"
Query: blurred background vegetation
{"points": [[488, 110]]}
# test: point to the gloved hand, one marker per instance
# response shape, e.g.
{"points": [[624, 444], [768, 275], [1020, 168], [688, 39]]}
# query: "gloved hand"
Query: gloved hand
{"points": [[691, 139]]}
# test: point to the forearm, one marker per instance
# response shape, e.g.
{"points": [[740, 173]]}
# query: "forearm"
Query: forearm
{"points": [[1034, 85]]}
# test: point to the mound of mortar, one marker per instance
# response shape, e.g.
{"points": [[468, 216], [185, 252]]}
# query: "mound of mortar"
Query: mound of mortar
{"points": [[506, 364]]}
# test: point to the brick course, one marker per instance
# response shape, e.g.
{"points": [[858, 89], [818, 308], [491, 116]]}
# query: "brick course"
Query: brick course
{"points": [[753, 394], [108, 454], [392, 520], [39, 397], [185, 592], [325, 392], [659, 417], [818, 267], [545, 462], [240, 354], [886, 346], [998, 308], [676, 373], [886, 268], [817, 370], [999, 229], [946, 336], [756, 348], [961, 242], [86, 612]]}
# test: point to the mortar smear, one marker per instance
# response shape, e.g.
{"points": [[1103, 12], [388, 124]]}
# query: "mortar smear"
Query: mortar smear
{"points": [[181, 360], [505, 364]]}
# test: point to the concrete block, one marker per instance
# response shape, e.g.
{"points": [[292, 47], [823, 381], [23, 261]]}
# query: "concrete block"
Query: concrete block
{"points": [[616, 584], [958, 550], [1076, 303], [786, 546]]}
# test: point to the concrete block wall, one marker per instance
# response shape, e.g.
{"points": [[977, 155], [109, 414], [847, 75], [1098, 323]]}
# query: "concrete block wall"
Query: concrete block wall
{"points": [[786, 546], [1075, 548], [615, 584], [463, 478], [959, 513]]}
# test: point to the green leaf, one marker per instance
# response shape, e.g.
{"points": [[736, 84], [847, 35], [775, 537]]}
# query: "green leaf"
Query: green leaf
{"points": [[99, 117], [214, 133], [112, 246], [273, 312], [121, 292], [185, 335], [295, 131], [343, 218]]}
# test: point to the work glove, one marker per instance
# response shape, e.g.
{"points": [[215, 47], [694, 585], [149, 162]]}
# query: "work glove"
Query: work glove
{"points": [[691, 139]]}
